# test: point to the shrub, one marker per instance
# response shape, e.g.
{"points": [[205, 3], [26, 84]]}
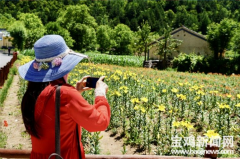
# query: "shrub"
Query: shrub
{"points": [[28, 52], [197, 63], [188, 62]]}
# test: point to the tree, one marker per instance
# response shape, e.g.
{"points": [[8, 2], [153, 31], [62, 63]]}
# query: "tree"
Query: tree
{"points": [[55, 28], [104, 37], [183, 17], [236, 42], [84, 36], [6, 20], [117, 11], [220, 13], [170, 17], [167, 45], [123, 37], [98, 11], [19, 34], [144, 38], [159, 16], [34, 27], [204, 21], [81, 25], [220, 35]]}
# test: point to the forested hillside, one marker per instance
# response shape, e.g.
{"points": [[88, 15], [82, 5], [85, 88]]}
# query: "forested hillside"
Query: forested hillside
{"points": [[194, 14], [116, 26]]}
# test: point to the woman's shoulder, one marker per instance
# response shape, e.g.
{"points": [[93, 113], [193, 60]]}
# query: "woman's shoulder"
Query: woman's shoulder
{"points": [[65, 88]]}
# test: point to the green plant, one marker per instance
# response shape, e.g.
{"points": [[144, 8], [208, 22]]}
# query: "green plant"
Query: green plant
{"points": [[6, 86], [28, 52], [3, 140], [121, 60]]}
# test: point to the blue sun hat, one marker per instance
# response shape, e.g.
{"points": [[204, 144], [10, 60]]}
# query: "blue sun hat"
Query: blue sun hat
{"points": [[53, 60]]}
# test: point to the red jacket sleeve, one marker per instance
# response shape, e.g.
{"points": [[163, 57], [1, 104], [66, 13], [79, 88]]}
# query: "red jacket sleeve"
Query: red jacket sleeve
{"points": [[91, 117]]}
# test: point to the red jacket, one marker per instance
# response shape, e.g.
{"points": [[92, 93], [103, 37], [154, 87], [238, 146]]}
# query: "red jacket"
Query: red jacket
{"points": [[73, 109]]}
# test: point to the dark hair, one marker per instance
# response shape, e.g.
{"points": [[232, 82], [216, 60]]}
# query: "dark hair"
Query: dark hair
{"points": [[28, 105]]}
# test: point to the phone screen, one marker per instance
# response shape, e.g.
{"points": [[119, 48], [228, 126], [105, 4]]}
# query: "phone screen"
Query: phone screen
{"points": [[91, 82]]}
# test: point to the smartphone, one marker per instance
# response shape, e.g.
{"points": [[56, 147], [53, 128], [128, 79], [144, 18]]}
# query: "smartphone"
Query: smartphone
{"points": [[91, 82]]}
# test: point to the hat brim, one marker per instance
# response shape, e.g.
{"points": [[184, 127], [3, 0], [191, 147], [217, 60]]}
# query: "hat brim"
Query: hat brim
{"points": [[29, 73]]}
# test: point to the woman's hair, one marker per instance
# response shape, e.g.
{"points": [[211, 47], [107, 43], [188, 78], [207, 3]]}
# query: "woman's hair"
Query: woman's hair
{"points": [[28, 105]]}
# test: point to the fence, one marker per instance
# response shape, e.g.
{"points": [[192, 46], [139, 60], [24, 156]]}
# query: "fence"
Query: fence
{"points": [[5, 70]]}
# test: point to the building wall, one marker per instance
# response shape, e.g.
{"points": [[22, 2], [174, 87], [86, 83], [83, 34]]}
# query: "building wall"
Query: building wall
{"points": [[190, 44], [5, 42]]}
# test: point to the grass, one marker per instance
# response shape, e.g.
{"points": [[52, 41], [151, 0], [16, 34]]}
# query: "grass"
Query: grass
{"points": [[7, 84], [3, 140]]}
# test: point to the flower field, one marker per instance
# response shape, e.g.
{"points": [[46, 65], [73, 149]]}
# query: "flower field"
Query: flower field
{"points": [[156, 111]]}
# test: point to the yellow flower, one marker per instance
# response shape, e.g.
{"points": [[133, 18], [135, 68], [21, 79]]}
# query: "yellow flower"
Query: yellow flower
{"points": [[189, 126], [164, 90], [135, 100], [229, 95], [200, 92], [197, 97], [124, 88], [195, 87], [90, 92], [213, 92], [199, 103], [238, 105], [174, 90], [136, 107], [180, 84], [183, 123], [143, 109], [145, 100], [116, 93], [118, 72], [222, 106], [170, 111], [161, 108], [181, 96], [238, 95], [176, 123], [212, 134]]}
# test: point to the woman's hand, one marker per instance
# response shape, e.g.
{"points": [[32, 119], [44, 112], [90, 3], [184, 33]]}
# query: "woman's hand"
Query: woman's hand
{"points": [[81, 85], [101, 87]]}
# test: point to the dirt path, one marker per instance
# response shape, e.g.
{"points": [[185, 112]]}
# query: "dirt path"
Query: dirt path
{"points": [[11, 112], [113, 145]]}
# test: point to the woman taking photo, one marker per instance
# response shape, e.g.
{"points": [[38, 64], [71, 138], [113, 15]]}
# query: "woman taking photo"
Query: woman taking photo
{"points": [[53, 61]]}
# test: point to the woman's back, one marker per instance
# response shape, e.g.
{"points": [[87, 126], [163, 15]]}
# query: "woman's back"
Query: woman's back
{"points": [[45, 120]]}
